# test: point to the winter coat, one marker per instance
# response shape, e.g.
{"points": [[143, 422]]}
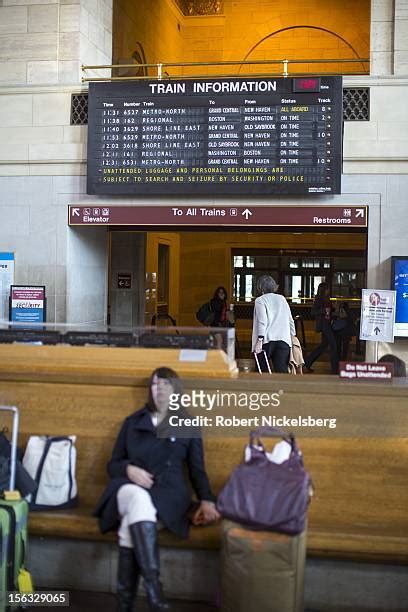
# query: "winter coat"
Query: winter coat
{"points": [[137, 444], [296, 361]]}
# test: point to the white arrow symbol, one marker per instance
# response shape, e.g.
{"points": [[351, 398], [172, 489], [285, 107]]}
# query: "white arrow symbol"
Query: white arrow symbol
{"points": [[359, 212], [75, 212], [247, 213]]}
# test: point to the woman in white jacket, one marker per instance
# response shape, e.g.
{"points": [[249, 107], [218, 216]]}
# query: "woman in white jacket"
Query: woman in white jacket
{"points": [[273, 325]]}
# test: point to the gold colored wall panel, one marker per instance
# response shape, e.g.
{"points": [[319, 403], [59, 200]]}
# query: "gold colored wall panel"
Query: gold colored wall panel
{"points": [[247, 29], [206, 260]]}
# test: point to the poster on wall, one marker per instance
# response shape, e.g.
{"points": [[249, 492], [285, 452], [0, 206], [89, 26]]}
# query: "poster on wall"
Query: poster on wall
{"points": [[6, 271], [6, 279], [27, 304], [377, 315]]}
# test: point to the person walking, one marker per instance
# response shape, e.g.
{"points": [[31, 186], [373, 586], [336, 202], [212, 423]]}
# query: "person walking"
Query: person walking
{"points": [[273, 325], [344, 329], [322, 310]]}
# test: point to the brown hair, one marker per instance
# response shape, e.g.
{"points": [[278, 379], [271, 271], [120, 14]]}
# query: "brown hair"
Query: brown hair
{"points": [[399, 365], [168, 374], [215, 296], [321, 290]]}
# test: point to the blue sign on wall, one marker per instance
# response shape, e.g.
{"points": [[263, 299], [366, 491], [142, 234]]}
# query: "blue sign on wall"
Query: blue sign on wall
{"points": [[400, 284], [27, 304]]}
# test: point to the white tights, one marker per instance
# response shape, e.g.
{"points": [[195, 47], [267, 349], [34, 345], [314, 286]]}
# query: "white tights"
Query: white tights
{"points": [[134, 505]]}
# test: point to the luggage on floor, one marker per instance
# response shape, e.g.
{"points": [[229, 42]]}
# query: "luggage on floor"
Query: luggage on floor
{"points": [[262, 362], [13, 532], [261, 570]]}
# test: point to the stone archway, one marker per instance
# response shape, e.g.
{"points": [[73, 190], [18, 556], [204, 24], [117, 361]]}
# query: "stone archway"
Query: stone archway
{"points": [[305, 42]]}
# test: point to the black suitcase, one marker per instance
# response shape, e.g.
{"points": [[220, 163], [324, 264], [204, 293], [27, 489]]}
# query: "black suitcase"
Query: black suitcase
{"points": [[262, 362]]}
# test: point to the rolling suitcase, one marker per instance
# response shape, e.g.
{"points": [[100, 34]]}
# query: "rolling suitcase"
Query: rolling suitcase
{"points": [[262, 362], [13, 531], [261, 570]]}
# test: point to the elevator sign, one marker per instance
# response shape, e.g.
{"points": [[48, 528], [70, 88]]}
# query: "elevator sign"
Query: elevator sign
{"points": [[319, 217], [224, 136]]}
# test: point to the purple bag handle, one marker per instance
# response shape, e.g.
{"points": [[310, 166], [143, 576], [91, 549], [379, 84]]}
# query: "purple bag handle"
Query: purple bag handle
{"points": [[275, 432], [272, 432]]}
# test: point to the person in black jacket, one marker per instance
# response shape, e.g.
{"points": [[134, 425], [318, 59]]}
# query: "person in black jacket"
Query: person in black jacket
{"points": [[148, 485], [219, 306], [322, 310], [344, 329]]}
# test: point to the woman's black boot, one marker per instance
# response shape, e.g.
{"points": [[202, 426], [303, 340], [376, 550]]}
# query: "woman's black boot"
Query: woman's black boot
{"points": [[128, 578], [146, 549]]}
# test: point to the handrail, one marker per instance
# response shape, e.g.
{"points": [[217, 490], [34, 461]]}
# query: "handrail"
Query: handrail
{"points": [[161, 65]]}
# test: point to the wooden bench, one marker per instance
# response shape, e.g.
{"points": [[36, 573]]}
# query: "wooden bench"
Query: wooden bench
{"points": [[360, 506]]}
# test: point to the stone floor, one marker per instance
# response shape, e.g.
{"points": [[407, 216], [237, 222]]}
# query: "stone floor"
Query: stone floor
{"points": [[84, 601], [81, 601]]}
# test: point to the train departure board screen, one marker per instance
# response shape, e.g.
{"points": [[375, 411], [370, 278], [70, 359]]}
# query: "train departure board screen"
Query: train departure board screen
{"points": [[226, 136]]}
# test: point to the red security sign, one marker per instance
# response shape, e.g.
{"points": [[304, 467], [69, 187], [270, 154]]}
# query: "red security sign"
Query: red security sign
{"points": [[319, 217]]}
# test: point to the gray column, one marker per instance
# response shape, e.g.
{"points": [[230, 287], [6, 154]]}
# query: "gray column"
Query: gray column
{"points": [[46, 41], [382, 33], [401, 37]]}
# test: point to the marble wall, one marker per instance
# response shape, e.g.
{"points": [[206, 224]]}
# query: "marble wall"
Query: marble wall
{"points": [[46, 41]]}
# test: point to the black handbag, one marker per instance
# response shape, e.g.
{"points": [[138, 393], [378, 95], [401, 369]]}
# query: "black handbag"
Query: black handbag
{"points": [[339, 324], [205, 314]]}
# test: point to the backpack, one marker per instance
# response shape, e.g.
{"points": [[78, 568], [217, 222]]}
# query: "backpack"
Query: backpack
{"points": [[51, 461], [205, 314]]}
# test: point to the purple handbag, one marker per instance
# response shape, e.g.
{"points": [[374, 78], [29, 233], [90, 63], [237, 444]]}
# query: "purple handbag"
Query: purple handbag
{"points": [[266, 495]]}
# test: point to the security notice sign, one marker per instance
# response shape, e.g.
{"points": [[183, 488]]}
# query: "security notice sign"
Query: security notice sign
{"points": [[27, 304], [377, 315]]}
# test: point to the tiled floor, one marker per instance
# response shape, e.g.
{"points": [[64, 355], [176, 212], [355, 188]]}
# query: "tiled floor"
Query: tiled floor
{"points": [[81, 601]]}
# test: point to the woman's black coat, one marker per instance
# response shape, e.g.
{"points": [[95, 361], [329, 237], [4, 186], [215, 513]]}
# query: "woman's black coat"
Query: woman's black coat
{"points": [[165, 458], [319, 307]]}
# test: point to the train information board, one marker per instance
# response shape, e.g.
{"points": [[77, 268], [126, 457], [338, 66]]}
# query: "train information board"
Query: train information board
{"points": [[226, 136]]}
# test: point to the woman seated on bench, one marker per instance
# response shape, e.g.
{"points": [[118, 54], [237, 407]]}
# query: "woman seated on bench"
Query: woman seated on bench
{"points": [[148, 484]]}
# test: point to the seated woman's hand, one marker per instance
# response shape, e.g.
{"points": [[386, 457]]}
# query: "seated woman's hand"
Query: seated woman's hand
{"points": [[139, 476], [205, 514]]}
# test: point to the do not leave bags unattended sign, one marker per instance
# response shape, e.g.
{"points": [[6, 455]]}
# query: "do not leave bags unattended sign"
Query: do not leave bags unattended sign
{"points": [[366, 371]]}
